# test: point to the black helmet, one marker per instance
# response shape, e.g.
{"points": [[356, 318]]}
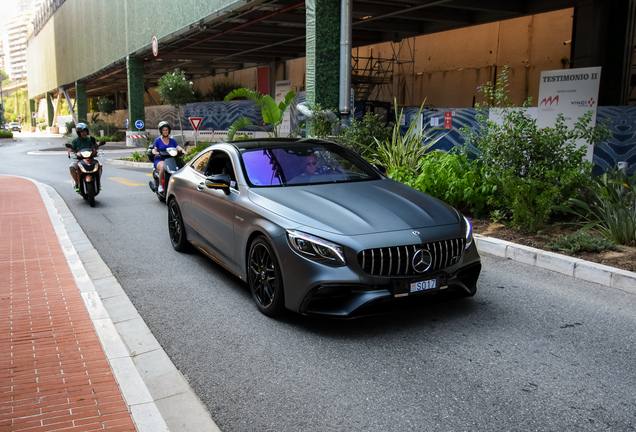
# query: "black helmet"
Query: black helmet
{"points": [[80, 127], [164, 124]]}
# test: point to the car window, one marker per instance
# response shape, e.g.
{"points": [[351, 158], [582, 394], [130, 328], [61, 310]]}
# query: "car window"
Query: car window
{"points": [[201, 162], [220, 163], [304, 165]]}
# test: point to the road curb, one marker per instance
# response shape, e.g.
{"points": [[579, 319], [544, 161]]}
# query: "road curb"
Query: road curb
{"points": [[119, 162], [577, 268]]}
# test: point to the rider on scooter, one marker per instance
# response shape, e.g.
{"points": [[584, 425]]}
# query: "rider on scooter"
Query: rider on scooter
{"points": [[83, 141], [161, 144]]}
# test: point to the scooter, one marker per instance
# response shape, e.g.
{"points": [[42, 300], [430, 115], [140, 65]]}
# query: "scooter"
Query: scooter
{"points": [[172, 162], [89, 181]]}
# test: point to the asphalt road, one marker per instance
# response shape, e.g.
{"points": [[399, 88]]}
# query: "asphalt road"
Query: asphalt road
{"points": [[532, 351]]}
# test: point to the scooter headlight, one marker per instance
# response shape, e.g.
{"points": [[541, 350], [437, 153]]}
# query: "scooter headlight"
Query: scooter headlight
{"points": [[172, 151], [86, 153], [88, 168]]}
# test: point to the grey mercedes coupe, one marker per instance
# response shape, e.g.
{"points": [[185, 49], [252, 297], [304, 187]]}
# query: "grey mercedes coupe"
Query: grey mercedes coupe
{"points": [[313, 228]]}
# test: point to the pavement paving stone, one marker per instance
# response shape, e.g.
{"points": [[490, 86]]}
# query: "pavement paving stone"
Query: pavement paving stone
{"points": [[50, 351]]}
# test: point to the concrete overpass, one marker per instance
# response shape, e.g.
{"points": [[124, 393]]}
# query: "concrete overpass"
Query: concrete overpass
{"points": [[92, 48]]}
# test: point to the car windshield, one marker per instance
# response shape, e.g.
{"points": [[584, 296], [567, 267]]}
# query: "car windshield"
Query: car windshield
{"points": [[300, 165]]}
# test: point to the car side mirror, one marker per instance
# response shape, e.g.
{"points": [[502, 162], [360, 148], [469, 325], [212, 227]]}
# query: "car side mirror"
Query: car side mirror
{"points": [[218, 181], [380, 168]]}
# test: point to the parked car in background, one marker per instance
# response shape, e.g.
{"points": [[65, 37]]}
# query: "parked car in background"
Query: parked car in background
{"points": [[313, 228], [15, 127]]}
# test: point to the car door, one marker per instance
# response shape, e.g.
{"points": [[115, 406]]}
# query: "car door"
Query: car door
{"points": [[214, 209]]}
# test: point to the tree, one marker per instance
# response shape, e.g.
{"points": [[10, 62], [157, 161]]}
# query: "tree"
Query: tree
{"points": [[175, 90], [106, 106], [273, 114]]}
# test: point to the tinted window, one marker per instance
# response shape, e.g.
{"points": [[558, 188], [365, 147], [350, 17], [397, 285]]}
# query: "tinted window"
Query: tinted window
{"points": [[294, 165], [201, 162]]}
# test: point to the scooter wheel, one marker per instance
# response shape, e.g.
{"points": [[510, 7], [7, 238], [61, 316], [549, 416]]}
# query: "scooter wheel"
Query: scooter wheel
{"points": [[90, 193]]}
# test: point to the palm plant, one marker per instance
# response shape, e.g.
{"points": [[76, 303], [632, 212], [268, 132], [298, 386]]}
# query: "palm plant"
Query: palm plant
{"points": [[403, 150], [273, 113]]}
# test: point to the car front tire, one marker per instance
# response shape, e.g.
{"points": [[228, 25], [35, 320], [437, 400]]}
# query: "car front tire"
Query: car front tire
{"points": [[176, 229], [264, 278]]}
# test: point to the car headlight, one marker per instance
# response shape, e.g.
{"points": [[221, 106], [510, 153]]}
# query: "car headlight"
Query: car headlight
{"points": [[315, 248], [469, 231]]}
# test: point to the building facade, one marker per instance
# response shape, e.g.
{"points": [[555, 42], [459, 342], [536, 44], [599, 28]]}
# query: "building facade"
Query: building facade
{"points": [[15, 44]]}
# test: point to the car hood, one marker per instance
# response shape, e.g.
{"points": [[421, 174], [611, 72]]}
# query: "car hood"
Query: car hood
{"points": [[355, 208]]}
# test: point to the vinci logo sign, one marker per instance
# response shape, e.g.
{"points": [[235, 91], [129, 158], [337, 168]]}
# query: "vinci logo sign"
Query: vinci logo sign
{"points": [[584, 103], [549, 101]]}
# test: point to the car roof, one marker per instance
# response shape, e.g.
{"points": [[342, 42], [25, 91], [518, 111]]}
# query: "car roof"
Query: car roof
{"points": [[255, 143]]}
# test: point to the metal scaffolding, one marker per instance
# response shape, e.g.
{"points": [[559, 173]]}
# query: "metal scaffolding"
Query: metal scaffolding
{"points": [[377, 79]]}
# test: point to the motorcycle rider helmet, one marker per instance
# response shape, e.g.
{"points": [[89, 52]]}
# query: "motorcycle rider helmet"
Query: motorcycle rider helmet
{"points": [[80, 127], [164, 124]]}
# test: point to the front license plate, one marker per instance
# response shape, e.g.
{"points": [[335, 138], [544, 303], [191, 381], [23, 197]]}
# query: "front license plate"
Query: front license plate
{"points": [[423, 285]]}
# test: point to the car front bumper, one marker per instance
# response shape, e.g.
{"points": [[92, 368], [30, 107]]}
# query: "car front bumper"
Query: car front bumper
{"points": [[348, 292]]}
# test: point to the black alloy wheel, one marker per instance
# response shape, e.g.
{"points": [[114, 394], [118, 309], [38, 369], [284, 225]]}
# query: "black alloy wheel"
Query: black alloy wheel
{"points": [[176, 230], [264, 278]]}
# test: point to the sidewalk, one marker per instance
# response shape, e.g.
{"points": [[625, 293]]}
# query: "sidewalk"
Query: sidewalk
{"points": [[54, 374], [75, 355]]}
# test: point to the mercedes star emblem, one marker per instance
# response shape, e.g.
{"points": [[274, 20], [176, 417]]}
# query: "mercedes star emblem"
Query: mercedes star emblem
{"points": [[422, 261]]}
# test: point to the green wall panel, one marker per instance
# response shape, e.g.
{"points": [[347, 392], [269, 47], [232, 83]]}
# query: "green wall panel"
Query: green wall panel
{"points": [[323, 53], [83, 37]]}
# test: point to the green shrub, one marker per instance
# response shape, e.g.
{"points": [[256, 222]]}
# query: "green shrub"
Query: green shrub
{"points": [[113, 138], [69, 128], [321, 124], [362, 134], [453, 178], [536, 169], [100, 125], [138, 157], [120, 135], [529, 200], [609, 206], [581, 242], [6, 134]]}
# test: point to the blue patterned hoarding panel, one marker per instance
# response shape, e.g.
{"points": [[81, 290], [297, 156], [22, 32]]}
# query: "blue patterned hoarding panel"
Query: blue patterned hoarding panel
{"points": [[620, 147]]}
